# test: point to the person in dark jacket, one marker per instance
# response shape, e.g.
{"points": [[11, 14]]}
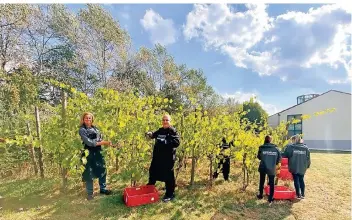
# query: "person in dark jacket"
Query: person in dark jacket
{"points": [[269, 156], [292, 141], [298, 162], [224, 163], [164, 156], [95, 166]]}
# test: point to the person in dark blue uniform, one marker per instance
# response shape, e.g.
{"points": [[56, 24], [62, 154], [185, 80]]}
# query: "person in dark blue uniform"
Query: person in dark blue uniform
{"points": [[95, 166], [298, 156], [164, 156], [292, 141], [269, 156]]}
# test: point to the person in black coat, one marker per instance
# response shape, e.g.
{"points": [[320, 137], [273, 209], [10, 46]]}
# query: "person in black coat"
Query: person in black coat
{"points": [[292, 141], [298, 156], [95, 166], [164, 156], [269, 156]]}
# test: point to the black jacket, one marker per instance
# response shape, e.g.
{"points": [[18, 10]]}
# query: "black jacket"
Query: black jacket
{"points": [[269, 156], [298, 158], [284, 151], [164, 152], [225, 147]]}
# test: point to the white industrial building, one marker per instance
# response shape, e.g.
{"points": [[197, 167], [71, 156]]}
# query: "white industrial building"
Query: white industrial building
{"points": [[331, 131]]}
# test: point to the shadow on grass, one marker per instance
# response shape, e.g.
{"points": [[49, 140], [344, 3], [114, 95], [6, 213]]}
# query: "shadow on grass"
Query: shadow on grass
{"points": [[224, 199], [26, 193]]}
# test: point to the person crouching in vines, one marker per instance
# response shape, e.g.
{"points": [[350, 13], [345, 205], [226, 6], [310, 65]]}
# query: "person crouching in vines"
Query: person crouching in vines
{"points": [[164, 156], [224, 163], [95, 166]]}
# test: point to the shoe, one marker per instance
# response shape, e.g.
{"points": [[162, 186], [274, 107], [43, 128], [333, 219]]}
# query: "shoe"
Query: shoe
{"points": [[106, 192], [259, 197], [168, 198], [270, 202], [90, 197], [302, 196], [228, 180]]}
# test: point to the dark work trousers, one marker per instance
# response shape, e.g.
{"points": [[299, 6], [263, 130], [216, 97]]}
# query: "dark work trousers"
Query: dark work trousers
{"points": [[169, 182], [102, 185], [224, 167], [298, 181], [271, 184]]}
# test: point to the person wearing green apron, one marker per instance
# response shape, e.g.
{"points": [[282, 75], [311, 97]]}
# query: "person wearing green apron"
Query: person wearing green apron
{"points": [[95, 166]]}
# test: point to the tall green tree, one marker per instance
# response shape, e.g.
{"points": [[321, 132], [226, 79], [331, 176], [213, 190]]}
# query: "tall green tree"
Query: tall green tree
{"points": [[13, 20], [255, 112], [130, 76], [102, 42]]}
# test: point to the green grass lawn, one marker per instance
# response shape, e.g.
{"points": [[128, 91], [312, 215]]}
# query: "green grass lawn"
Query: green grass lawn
{"points": [[328, 196]]}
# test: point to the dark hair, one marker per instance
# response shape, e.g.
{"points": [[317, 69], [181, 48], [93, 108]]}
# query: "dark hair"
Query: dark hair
{"points": [[223, 140], [267, 139]]}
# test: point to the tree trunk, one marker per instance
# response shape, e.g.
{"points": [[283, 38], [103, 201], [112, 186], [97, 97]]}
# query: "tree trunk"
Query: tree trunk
{"points": [[40, 152], [3, 64], [117, 156], [133, 182], [117, 163], [64, 170], [32, 152], [193, 159], [181, 163], [244, 177], [247, 178], [211, 171], [103, 72], [85, 82], [181, 159], [193, 169], [245, 172]]}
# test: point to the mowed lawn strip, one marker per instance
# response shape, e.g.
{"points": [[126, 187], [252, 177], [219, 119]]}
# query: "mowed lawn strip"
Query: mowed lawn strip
{"points": [[328, 196]]}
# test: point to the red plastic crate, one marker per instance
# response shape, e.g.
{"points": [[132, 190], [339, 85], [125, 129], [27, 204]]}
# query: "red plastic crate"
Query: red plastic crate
{"points": [[284, 174], [284, 161], [135, 196], [284, 166], [281, 192]]}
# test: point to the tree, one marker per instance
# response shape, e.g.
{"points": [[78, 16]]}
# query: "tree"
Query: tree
{"points": [[67, 64], [19, 94], [255, 112], [13, 20], [194, 88], [45, 47], [19, 91], [232, 105], [157, 64], [129, 76], [101, 41]]}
